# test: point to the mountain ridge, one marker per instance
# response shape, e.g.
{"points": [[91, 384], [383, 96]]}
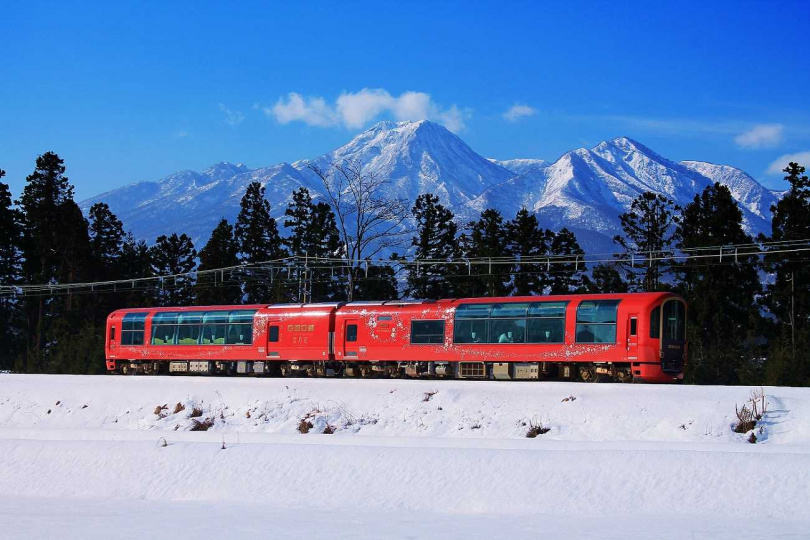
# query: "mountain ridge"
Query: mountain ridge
{"points": [[584, 189]]}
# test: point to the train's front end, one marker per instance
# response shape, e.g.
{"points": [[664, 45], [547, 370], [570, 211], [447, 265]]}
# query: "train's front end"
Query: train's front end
{"points": [[666, 347]]}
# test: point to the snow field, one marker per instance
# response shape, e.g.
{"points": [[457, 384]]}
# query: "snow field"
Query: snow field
{"points": [[639, 457]]}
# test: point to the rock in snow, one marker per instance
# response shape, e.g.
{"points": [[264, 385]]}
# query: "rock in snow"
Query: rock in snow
{"points": [[584, 190]]}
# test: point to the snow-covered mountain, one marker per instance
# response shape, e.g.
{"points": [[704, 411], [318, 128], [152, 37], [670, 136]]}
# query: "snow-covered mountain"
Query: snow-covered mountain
{"points": [[584, 190]]}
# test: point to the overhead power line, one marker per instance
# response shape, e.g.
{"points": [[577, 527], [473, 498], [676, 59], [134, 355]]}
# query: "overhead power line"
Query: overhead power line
{"points": [[289, 270]]}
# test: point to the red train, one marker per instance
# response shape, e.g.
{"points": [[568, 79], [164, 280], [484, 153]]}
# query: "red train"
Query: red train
{"points": [[626, 337]]}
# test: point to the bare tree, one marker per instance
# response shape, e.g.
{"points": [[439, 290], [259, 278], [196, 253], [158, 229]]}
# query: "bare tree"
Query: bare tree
{"points": [[368, 221]]}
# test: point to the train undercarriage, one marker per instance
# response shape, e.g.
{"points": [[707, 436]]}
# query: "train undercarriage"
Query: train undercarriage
{"points": [[587, 372]]}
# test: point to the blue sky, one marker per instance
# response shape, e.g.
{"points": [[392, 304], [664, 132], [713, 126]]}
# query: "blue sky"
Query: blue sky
{"points": [[135, 91]]}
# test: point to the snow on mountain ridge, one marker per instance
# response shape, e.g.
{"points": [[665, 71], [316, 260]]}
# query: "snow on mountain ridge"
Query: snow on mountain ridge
{"points": [[584, 190]]}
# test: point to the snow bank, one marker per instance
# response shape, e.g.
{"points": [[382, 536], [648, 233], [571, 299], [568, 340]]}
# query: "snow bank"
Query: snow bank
{"points": [[647, 454]]}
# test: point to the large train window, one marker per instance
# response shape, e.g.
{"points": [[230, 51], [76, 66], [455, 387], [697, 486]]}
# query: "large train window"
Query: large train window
{"points": [[546, 322], [164, 326], [674, 315], [596, 321], [510, 322], [427, 332], [655, 323], [132, 328], [203, 328]]}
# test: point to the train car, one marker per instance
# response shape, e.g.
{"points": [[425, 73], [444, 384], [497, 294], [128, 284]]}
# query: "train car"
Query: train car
{"points": [[623, 337]]}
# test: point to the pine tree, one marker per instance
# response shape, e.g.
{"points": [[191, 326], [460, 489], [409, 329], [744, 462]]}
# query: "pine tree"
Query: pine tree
{"points": [[722, 298], [136, 262], [11, 324], [314, 236], [788, 296], [172, 256], [565, 277], [648, 233], [435, 240], [106, 240], [221, 251], [51, 230], [605, 278], [487, 243], [257, 234], [527, 240], [377, 282]]}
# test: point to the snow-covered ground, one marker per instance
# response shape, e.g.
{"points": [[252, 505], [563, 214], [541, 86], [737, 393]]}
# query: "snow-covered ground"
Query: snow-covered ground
{"points": [[95, 457]]}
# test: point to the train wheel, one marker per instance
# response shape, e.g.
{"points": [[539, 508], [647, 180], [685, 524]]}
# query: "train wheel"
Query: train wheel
{"points": [[125, 368], [588, 374]]}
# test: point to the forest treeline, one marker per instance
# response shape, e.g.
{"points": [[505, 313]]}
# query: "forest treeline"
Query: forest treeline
{"points": [[748, 321]]}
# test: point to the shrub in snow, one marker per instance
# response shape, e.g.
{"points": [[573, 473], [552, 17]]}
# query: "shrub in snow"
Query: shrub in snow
{"points": [[304, 425], [536, 428], [202, 425], [195, 413], [179, 408]]}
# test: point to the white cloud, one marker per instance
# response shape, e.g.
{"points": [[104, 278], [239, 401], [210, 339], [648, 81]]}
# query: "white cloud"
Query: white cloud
{"points": [[518, 111], [232, 118], [802, 158], [760, 136], [180, 134], [357, 109]]}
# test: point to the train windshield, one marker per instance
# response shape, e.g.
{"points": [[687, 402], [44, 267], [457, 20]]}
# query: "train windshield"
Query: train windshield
{"points": [[674, 320]]}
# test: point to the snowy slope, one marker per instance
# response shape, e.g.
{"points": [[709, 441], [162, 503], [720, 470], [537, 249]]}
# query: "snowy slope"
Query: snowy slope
{"points": [[584, 190], [408, 459], [587, 189], [418, 157]]}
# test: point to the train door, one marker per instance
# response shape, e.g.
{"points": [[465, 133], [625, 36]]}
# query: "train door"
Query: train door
{"points": [[273, 338], [350, 346], [632, 337], [113, 341]]}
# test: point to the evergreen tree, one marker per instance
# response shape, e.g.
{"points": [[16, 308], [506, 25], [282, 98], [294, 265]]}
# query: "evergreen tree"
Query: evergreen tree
{"points": [[722, 313], [788, 296], [11, 326], [526, 239], [171, 256], [605, 278], [221, 251], [487, 240], [52, 230], [257, 234], [435, 240], [136, 262], [106, 240], [648, 233], [377, 282], [314, 236], [565, 277]]}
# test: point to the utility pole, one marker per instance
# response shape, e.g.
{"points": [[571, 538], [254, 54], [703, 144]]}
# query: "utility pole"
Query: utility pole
{"points": [[793, 317]]}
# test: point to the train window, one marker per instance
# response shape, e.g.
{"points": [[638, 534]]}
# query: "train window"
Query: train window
{"points": [[239, 334], [272, 333], [351, 332], [384, 318], [213, 334], [547, 309], [513, 310], [674, 314], [112, 333], [163, 334], [471, 331], [473, 311], [423, 332], [545, 330], [188, 334], [633, 326], [596, 321], [655, 323], [132, 328], [508, 330]]}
